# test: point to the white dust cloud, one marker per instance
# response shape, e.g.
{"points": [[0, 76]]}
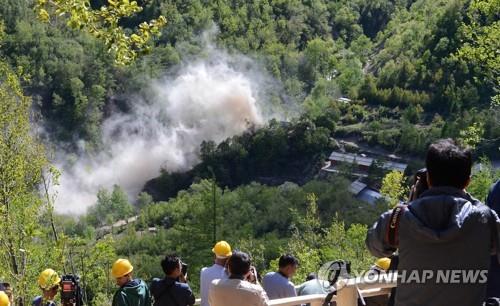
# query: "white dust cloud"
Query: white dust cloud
{"points": [[208, 100]]}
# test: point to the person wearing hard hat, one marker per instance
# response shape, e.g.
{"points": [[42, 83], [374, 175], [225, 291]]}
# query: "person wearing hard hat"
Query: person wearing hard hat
{"points": [[132, 292], [222, 252], [382, 264], [48, 281], [7, 289], [4, 299]]}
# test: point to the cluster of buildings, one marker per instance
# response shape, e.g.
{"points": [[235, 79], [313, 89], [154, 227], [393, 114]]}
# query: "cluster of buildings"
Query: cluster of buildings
{"points": [[359, 166]]}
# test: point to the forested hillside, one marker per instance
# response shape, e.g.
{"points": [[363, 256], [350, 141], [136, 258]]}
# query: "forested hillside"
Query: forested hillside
{"points": [[407, 63], [309, 75]]}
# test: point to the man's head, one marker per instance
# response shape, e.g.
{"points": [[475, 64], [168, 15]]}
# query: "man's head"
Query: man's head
{"points": [[239, 264], [122, 272], [288, 265], [172, 266], [448, 165], [49, 282], [311, 276], [222, 251]]}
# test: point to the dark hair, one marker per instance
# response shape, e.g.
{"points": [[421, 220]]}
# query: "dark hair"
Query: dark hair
{"points": [[311, 276], [448, 164], [287, 259], [170, 263], [239, 263]]}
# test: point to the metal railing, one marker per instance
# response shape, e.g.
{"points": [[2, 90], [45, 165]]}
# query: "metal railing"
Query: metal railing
{"points": [[348, 293]]}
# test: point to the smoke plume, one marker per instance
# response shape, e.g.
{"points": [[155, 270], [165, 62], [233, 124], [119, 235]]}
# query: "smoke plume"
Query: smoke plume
{"points": [[211, 99]]}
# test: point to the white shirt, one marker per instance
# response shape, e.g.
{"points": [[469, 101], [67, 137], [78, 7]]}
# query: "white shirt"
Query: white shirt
{"points": [[207, 275], [236, 292]]}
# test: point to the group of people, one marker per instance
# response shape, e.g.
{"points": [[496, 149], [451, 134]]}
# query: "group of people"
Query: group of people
{"points": [[442, 229], [230, 281]]}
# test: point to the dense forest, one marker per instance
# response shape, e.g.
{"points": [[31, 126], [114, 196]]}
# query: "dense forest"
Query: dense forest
{"points": [[392, 75]]}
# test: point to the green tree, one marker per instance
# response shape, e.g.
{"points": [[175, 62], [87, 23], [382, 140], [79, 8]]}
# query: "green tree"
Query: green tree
{"points": [[472, 135], [110, 207], [22, 162], [393, 187], [480, 34], [104, 24], [483, 178]]}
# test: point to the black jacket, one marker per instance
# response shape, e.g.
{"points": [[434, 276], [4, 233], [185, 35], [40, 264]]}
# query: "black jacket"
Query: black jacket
{"points": [[169, 292], [444, 230]]}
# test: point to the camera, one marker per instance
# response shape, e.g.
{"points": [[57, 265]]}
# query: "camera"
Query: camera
{"points": [[184, 269], [71, 292], [419, 184]]}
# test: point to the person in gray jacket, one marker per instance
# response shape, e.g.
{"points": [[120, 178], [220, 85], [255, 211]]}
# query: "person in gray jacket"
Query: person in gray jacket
{"points": [[445, 237]]}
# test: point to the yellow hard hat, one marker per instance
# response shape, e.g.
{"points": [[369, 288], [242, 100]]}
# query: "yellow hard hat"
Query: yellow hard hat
{"points": [[4, 299], [222, 249], [383, 263], [121, 267], [48, 279]]}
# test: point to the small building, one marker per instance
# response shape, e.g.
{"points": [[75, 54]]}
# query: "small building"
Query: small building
{"points": [[361, 162], [364, 193], [391, 165]]}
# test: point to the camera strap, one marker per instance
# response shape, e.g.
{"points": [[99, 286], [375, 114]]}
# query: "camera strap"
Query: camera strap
{"points": [[392, 230]]}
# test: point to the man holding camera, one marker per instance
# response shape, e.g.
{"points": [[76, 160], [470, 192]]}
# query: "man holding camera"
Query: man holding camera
{"points": [[172, 290], [445, 236], [132, 291]]}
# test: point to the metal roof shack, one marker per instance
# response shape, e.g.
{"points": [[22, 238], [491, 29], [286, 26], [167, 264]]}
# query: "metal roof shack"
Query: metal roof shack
{"points": [[356, 187], [362, 161], [364, 193], [351, 158], [390, 165]]}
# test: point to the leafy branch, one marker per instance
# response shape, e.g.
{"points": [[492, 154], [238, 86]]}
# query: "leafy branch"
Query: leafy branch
{"points": [[103, 24]]}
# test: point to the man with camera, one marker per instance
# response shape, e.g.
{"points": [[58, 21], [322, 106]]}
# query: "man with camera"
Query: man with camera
{"points": [[173, 289], [237, 289], [444, 237]]}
